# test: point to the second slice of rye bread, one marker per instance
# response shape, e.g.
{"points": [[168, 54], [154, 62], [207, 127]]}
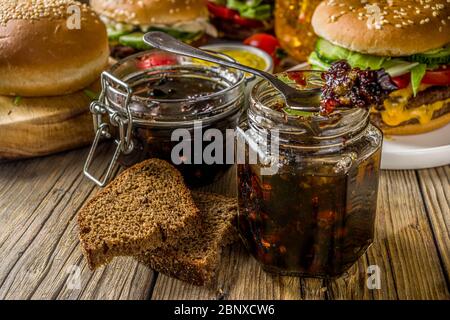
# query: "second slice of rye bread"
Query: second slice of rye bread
{"points": [[145, 207], [194, 259]]}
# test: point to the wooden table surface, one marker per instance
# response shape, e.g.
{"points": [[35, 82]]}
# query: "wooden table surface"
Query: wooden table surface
{"points": [[40, 253]]}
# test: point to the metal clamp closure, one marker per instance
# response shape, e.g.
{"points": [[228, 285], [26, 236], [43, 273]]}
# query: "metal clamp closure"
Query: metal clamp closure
{"points": [[100, 109]]}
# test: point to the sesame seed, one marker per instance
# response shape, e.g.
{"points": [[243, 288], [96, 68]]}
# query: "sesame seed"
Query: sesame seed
{"points": [[38, 10]]}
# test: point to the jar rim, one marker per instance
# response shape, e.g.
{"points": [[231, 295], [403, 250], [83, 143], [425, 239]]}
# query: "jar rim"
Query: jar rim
{"points": [[241, 74], [119, 94], [339, 124]]}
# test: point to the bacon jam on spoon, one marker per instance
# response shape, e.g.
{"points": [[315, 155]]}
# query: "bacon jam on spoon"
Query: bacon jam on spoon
{"points": [[341, 87], [354, 88]]}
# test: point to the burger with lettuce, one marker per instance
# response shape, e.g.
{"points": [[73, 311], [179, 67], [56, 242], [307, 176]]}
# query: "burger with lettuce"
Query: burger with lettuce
{"points": [[128, 20], [409, 39], [239, 19]]}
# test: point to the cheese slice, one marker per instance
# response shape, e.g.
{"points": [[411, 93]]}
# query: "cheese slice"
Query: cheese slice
{"points": [[395, 111]]}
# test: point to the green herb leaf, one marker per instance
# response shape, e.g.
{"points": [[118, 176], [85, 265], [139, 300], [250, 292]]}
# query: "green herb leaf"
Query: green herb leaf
{"points": [[91, 94], [17, 100], [251, 9], [298, 113], [285, 78], [417, 74]]}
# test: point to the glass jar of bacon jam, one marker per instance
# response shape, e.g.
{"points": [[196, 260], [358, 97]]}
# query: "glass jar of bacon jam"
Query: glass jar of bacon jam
{"points": [[154, 101], [307, 184]]}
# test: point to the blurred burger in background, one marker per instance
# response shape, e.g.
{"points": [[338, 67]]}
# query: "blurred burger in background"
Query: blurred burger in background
{"points": [[410, 39], [43, 54], [128, 20], [239, 19], [51, 58]]}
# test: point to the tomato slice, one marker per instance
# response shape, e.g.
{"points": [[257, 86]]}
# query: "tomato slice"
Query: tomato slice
{"points": [[229, 14], [154, 60], [244, 22], [439, 77], [267, 43], [263, 41], [402, 81], [221, 11]]}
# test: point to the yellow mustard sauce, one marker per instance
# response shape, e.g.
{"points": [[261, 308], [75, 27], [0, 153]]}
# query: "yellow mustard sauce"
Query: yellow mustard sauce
{"points": [[246, 58], [243, 57]]}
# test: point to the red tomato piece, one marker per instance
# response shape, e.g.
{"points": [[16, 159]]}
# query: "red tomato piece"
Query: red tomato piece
{"points": [[267, 43], [244, 22], [402, 81], [263, 41], [440, 77], [221, 11], [155, 60]]}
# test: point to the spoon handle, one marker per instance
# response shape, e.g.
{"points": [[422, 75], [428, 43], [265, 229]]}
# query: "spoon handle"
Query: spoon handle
{"points": [[165, 42]]}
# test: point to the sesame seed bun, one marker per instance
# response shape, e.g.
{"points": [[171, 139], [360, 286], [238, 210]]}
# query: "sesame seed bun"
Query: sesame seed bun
{"points": [[147, 12], [401, 28], [41, 56]]}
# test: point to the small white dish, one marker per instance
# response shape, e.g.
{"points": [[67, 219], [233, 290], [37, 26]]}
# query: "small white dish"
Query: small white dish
{"points": [[251, 79], [427, 150]]}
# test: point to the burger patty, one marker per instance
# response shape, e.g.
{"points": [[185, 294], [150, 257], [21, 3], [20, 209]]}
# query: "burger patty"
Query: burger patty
{"points": [[376, 117], [429, 96]]}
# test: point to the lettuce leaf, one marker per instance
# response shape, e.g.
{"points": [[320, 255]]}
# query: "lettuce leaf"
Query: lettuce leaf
{"points": [[251, 9], [417, 74], [317, 63]]}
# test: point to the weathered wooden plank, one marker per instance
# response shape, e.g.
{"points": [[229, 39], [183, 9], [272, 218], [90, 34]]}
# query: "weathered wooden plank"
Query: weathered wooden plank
{"points": [[251, 282], [38, 240], [38, 258], [238, 277], [403, 250], [313, 289], [405, 239], [351, 285], [435, 186], [18, 216]]}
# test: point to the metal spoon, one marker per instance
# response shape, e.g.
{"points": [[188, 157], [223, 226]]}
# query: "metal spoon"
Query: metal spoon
{"points": [[301, 100]]}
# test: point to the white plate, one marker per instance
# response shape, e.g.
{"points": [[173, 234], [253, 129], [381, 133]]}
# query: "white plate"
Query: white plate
{"points": [[420, 151]]}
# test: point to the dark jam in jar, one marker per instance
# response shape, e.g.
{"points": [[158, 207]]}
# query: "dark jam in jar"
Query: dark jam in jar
{"points": [[315, 215], [168, 87], [164, 101], [308, 221], [156, 142]]}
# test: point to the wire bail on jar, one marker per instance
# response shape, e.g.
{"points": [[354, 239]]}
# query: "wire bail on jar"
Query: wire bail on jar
{"points": [[101, 108]]}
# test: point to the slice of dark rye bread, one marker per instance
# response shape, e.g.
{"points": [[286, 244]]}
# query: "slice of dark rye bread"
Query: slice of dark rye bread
{"points": [[145, 207], [195, 259]]}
